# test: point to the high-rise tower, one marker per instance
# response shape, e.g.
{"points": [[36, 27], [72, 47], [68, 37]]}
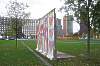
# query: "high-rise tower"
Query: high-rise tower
{"points": [[68, 25], [65, 26]]}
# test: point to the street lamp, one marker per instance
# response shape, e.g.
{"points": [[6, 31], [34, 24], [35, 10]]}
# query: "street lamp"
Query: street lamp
{"points": [[88, 19]]}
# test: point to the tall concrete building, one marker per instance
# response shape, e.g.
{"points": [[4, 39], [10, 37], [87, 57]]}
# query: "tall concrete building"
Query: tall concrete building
{"points": [[58, 27], [4, 25], [65, 25], [68, 25]]}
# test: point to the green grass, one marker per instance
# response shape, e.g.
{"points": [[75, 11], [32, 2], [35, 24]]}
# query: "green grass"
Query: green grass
{"points": [[12, 56], [8, 42], [72, 48], [77, 48], [9, 54]]}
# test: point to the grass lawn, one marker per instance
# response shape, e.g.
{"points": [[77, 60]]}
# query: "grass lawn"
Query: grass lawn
{"points": [[77, 48], [20, 56], [12, 56]]}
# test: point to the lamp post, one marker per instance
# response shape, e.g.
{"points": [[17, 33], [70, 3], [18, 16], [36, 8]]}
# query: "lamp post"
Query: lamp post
{"points": [[88, 24], [88, 19], [16, 33]]}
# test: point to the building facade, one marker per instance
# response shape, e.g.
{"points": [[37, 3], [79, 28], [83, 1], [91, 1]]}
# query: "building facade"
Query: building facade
{"points": [[67, 25], [58, 27], [29, 28], [4, 25]]}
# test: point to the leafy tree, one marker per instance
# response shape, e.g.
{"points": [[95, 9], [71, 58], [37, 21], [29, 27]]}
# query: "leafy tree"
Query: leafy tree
{"points": [[96, 18], [79, 9], [17, 14], [69, 5], [87, 12]]}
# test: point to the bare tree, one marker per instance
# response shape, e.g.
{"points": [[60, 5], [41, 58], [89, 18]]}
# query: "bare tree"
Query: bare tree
{"points": [[17, 14]]}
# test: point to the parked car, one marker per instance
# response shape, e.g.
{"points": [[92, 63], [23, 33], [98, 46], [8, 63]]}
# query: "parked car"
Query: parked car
{"points": [[11, 37], [2, 37]]}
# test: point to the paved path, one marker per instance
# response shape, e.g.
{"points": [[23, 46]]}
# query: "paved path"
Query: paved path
{"points": [[61, 55]]}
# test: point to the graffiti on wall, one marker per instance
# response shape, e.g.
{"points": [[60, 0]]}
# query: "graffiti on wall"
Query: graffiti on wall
{"points": [[46, 35]]}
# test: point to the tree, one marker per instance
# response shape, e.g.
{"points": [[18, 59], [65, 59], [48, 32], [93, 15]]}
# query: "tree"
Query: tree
{"points": [[17, 14], [79, 9], [84, 12], [69, 5], [87, 12], [96, 18]]}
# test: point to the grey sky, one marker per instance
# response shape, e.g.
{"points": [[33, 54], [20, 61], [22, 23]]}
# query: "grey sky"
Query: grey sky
{"points": [[37, 8]]}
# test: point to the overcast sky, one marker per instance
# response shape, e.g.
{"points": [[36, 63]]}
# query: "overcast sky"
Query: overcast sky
{"points": [[38, 8]]}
